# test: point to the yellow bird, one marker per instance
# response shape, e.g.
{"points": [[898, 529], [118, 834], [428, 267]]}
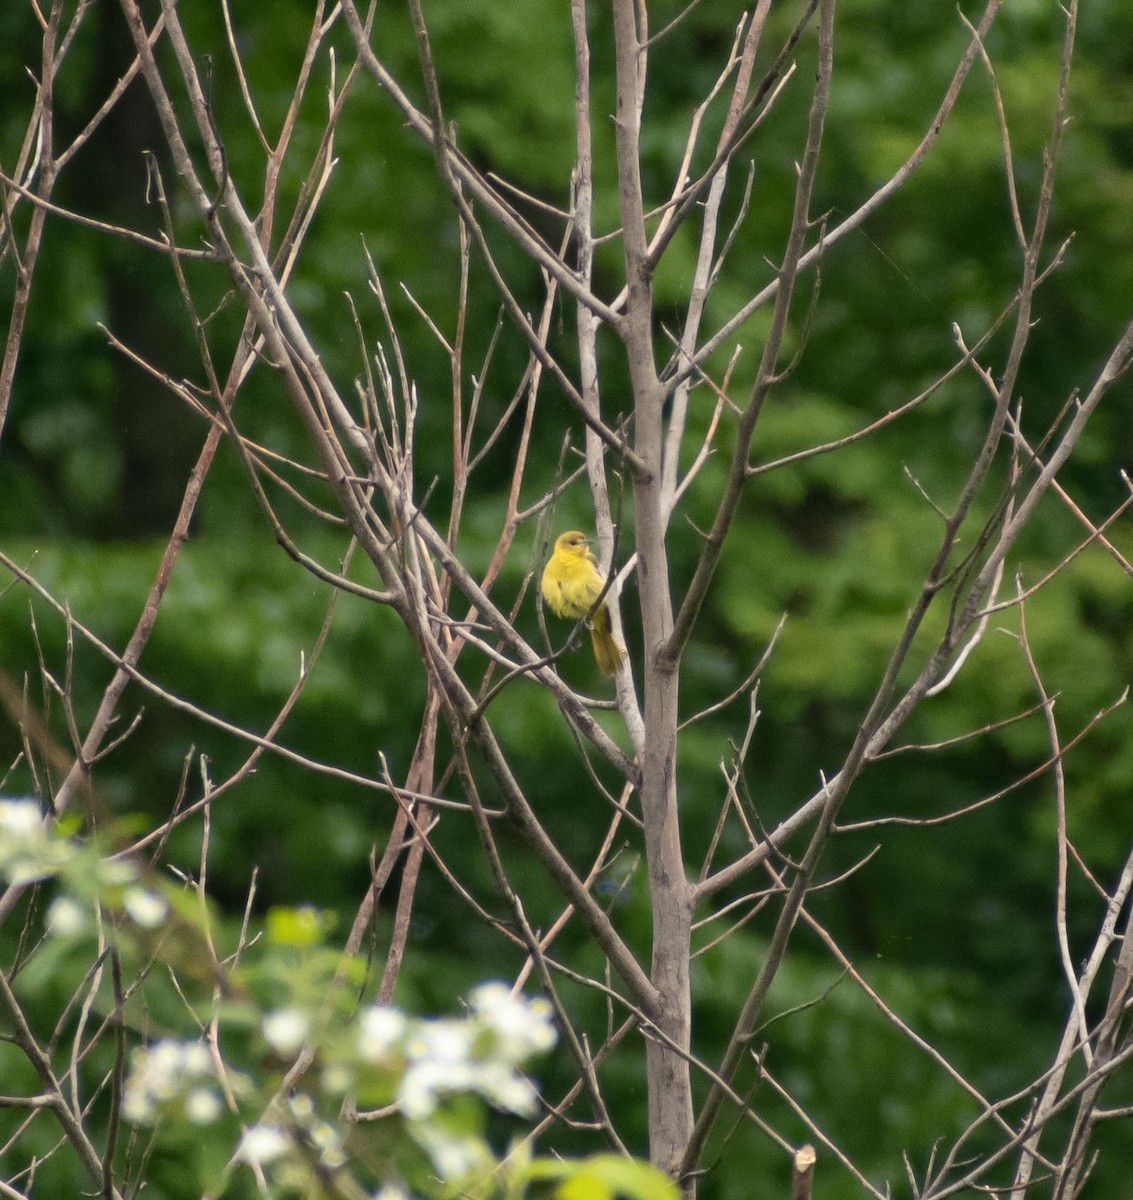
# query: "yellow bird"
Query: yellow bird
{"points": [[572, 581]]}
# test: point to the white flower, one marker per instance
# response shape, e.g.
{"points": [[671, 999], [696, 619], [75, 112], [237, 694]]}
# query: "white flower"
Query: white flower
{"points": [[115, 872], [263, 1144], [477, 1055], [27, 850], [20, 818], [162, 1068], [196, 1059], [443, 1041], [391, 1191], [166, 1072], [379, 1032], [66, 917], [337, 1078], [440, 1060], [146, 908], [202, 1107], [286, 1030], [137, 1105], [454, 1156], [521, 1026], [419, 1091], [506, 1088]]}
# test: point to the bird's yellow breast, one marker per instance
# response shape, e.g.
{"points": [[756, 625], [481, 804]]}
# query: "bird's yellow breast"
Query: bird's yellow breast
{"points": [[571, 579]]}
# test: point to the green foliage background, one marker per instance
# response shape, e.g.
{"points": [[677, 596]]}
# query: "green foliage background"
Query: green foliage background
{"points": [[953, 925]]}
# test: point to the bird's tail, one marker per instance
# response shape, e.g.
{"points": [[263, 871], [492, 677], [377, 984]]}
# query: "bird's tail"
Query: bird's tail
{"points": [[607, 652]]}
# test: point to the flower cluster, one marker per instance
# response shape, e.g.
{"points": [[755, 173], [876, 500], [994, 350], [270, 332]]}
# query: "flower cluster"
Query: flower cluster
{"points": [[68, 916], [270, 1141], [171, 1078], [32, 848], [479, 1054], [429, 1068], [27, 849]]}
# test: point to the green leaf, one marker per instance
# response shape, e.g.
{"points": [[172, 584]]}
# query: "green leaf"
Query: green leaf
{"points": [[302, 927], [604, 1176]]}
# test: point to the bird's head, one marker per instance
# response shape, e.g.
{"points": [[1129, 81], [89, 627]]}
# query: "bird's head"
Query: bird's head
{"points": [[573, 543]]}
